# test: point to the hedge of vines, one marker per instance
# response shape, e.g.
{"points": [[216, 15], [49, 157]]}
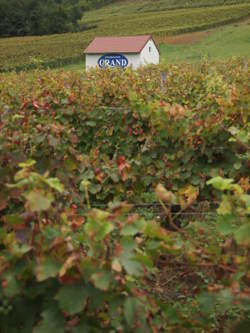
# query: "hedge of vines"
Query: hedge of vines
{"points": [[70, 142]]}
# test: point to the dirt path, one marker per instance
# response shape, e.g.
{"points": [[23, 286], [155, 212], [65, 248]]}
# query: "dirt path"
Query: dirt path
{"points": [[187, 38]]}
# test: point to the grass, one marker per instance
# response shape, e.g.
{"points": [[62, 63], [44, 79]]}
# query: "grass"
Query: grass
{"points": [[222, 43]]}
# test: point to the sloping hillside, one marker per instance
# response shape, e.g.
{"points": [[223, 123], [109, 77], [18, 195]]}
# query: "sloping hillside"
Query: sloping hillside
{"points": [[220, 43], [159, 18]]}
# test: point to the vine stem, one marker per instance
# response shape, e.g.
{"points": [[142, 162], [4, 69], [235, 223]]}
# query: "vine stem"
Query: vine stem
{"points": [[87, 196], [167, 211]]}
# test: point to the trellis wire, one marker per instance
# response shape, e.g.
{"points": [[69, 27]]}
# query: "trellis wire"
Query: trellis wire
{"points": [[154, 204]]}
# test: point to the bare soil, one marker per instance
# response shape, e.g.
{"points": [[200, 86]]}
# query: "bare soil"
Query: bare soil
{"points": [[188, 38]]}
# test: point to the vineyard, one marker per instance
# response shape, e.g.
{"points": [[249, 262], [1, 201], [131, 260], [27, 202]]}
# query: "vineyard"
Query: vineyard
{"points": [[57, 50], [81, 158]]}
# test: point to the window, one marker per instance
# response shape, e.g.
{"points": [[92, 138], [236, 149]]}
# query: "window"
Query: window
{"points": [[150, 48]]}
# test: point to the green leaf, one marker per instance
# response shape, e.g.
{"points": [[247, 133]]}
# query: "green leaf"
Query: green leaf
{"points": [[237, 165], [27, 164], [225, 224], [71, 299], [38, 200], [48, 268], [242, 235], [100, 215], [131, 266], [171, 314], [225, 299], [55, 184], [133, 229], [20, 249], [97, 298], [130, 310], [102, 280], [98, 229], [221, 183], [83, 328], [91, 123], [225, 206], [12, 288], [94, 188], [52, 322], [207, 302], [146, 260], [130, 230], [128, 245], [246, 199], [154, 230]]}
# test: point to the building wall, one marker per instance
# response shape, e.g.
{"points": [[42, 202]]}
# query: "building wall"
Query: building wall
{"points": [[149, 55], [92, 60]]}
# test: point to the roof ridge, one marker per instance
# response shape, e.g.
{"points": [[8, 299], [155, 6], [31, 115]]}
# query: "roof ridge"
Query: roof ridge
{"points": [[129, 44]]}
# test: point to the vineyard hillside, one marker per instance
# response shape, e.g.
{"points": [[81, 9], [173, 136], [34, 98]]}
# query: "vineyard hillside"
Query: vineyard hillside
{"points": [[159, 18]]}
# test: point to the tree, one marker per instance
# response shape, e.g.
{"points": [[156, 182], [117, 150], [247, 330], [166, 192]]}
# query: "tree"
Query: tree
{"points": [[38, 17]]}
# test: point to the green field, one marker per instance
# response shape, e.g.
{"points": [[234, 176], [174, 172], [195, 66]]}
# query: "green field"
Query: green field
{"points": [[222, 43], [123, 18]]}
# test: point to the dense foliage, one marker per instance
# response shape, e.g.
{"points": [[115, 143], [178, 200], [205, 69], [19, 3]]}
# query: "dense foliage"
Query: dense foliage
{"points": [[57, 50], [38, 17], [43, 17], [176, 135]]}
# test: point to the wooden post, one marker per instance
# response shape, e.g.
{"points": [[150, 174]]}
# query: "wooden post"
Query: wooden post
{"points": [[163, 81], [246, 65]]}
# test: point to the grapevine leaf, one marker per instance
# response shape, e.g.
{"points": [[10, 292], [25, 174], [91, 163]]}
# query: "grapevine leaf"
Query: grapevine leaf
{"points": [[48, 268], [130, 310], [242, 235], [52, 321], [71, 299], [12, 288], [101, 280], [38, 201]]}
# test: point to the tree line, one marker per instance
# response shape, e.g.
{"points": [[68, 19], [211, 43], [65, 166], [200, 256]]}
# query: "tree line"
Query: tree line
{"points": [[42, 17]]}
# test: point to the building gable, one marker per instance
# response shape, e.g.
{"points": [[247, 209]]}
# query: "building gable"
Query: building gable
{"points": [[134, 51]]}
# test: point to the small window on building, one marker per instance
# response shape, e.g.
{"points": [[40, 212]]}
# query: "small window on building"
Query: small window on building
{"points": [[150, 48]]}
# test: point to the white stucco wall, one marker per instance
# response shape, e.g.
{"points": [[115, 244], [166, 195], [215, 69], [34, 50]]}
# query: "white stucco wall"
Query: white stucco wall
{"points": [[92, 60], [149, 55]]}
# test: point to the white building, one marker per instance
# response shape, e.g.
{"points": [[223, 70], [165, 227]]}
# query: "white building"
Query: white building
{"points": [[134, 51]]}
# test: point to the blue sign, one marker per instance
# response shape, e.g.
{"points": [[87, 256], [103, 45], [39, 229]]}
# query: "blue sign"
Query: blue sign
{"points": [[113, 60]]}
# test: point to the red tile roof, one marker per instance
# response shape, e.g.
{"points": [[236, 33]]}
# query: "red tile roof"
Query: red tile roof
{"points": [[128, 44]]}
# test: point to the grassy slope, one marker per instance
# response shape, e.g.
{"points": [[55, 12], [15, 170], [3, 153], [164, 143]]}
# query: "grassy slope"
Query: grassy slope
{"points": [[220, 43], [122, 18]]}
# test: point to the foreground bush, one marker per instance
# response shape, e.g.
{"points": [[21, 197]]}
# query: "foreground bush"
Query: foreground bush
{"points": [[126, 131], [70, 272], [107, 137]]}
